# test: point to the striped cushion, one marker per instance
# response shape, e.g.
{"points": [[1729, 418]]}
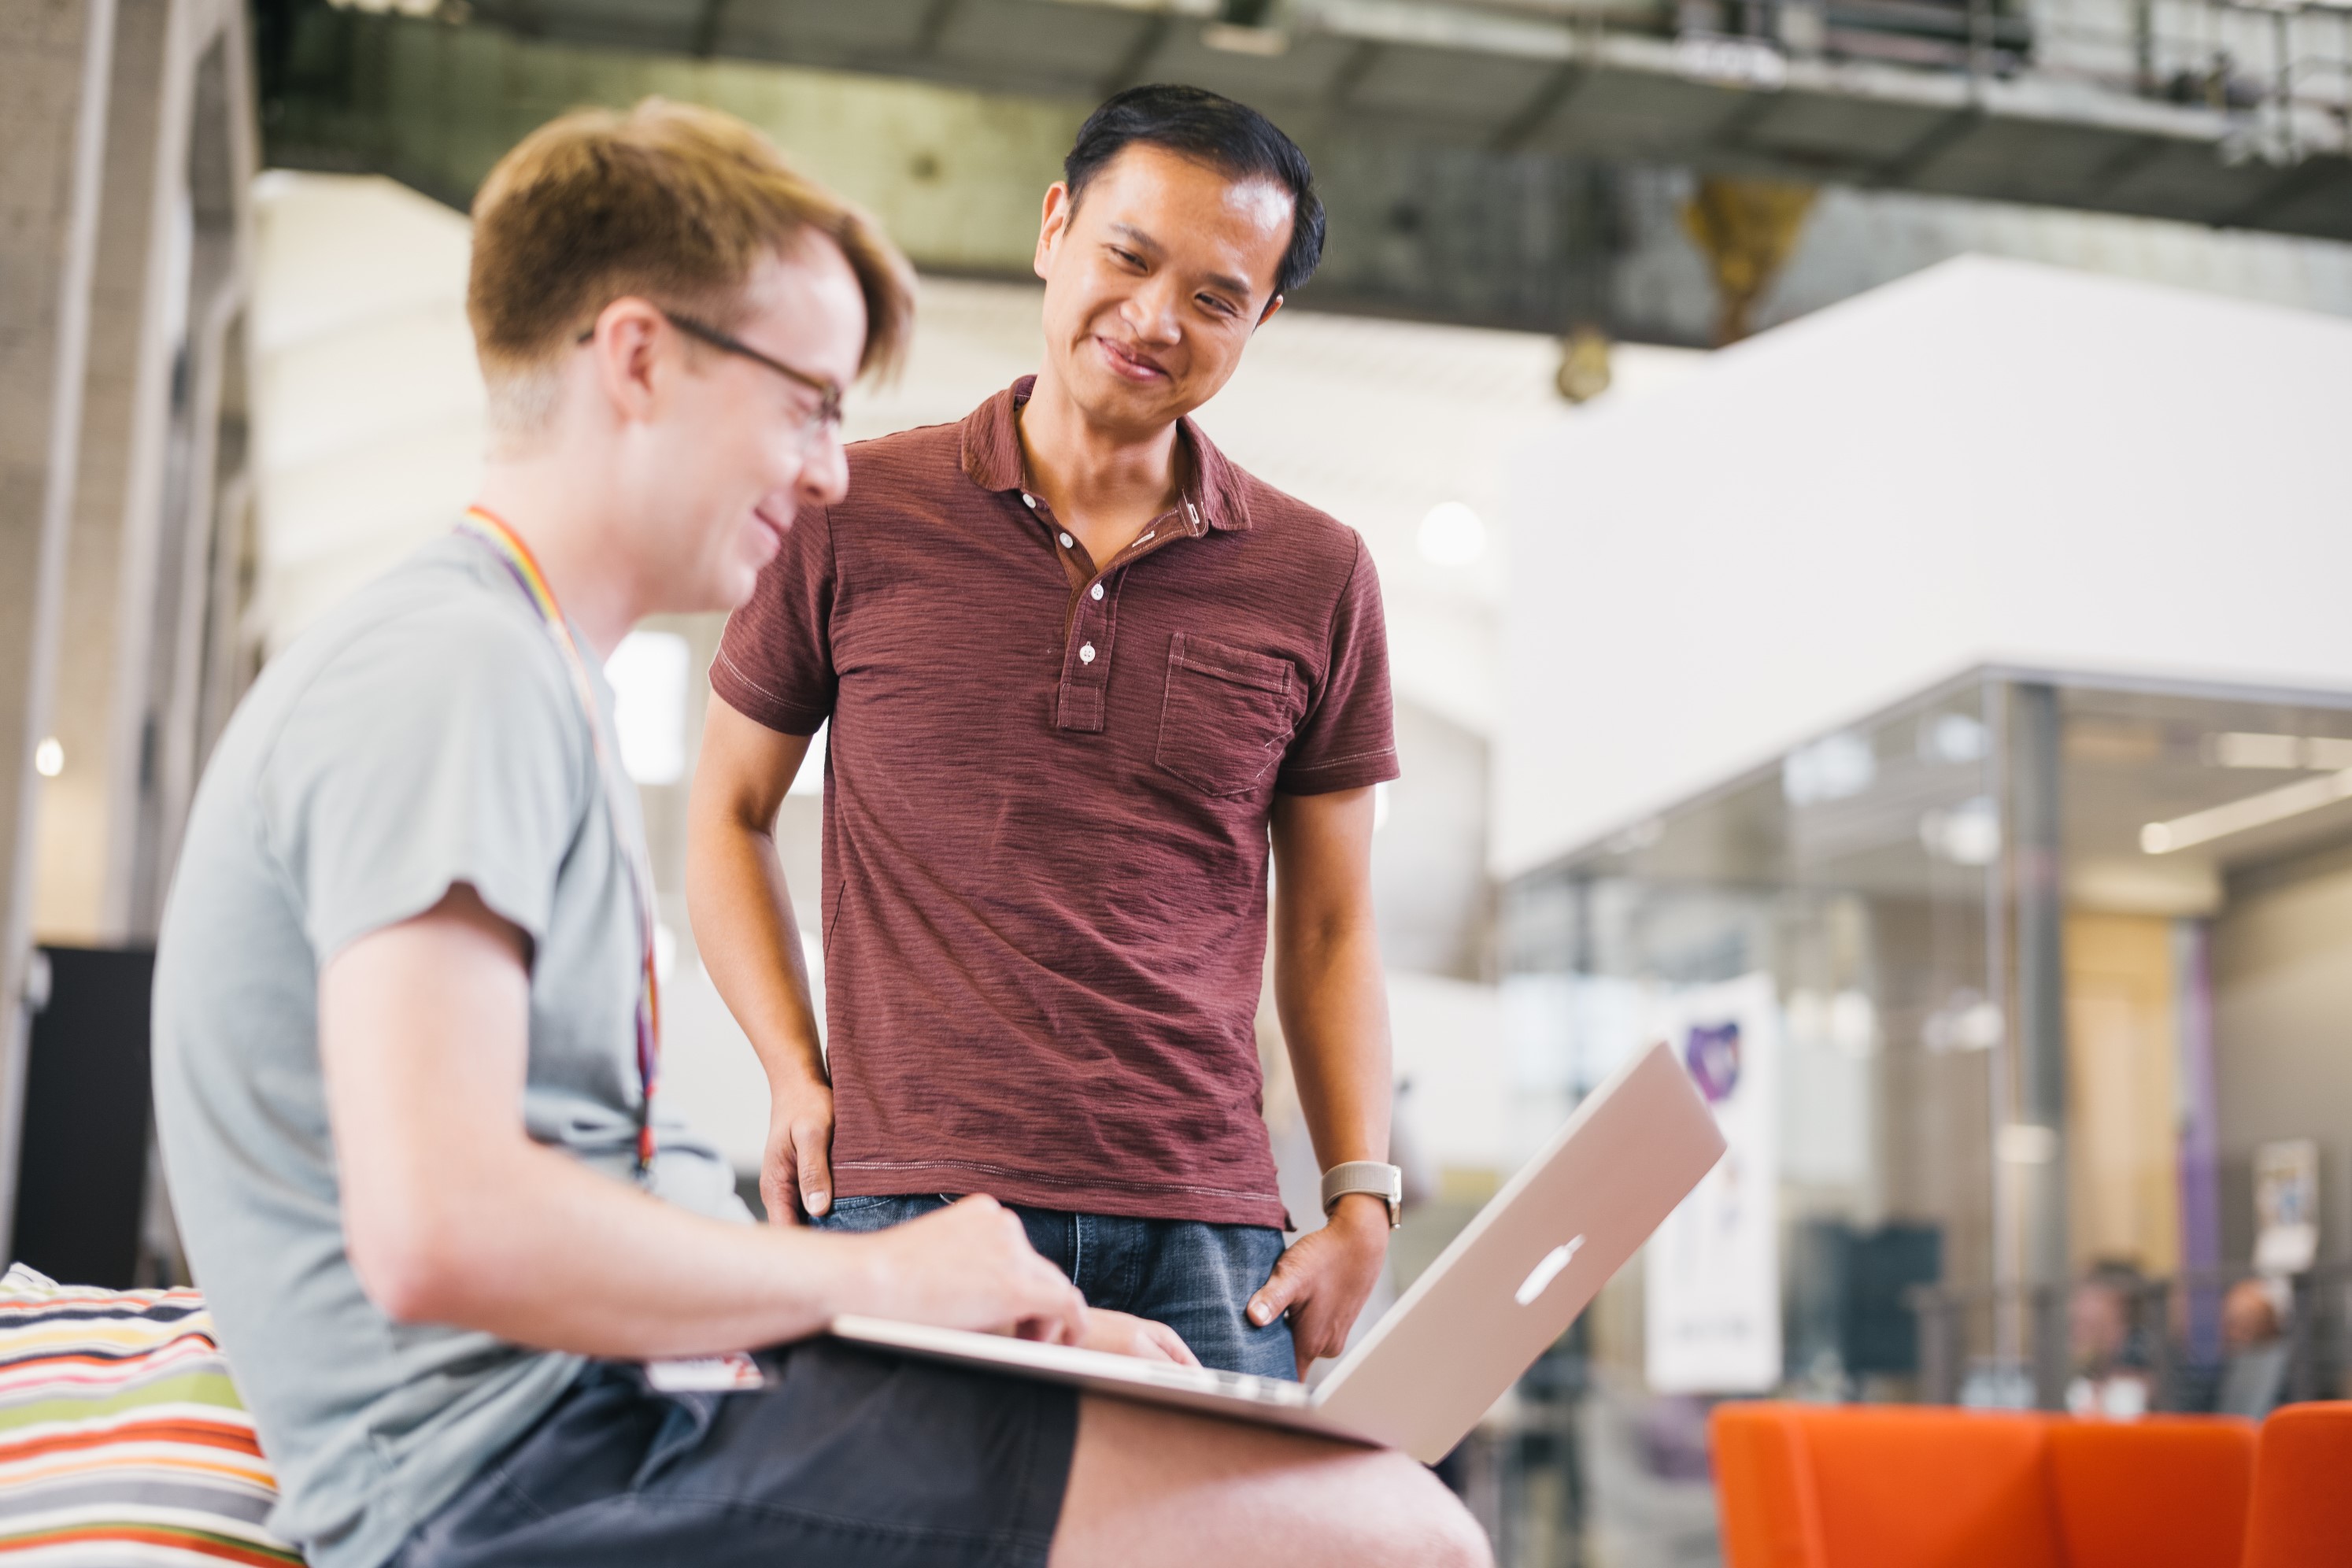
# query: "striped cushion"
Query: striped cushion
{"points": [[121, 1439]]}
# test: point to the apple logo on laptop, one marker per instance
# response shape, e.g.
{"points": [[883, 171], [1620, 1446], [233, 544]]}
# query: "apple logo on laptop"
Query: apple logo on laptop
{"points": [[1543, 1273]]}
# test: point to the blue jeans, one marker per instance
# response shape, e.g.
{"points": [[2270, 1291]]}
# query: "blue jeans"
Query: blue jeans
{"points": [[1195, 1276]]}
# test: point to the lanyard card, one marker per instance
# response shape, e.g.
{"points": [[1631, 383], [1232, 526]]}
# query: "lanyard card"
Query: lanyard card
{"points": [[733, 1372]]}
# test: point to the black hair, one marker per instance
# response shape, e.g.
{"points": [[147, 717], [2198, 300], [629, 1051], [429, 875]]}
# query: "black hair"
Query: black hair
{"points": [[1231, 137]]}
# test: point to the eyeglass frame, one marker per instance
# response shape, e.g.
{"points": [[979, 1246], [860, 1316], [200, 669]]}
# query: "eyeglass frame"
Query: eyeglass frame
{"points": [[828, 391]]}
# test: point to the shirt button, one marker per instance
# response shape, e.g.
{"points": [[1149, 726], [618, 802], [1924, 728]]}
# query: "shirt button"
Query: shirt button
{"points": [[1086, 654], [1098, 590], [1067, 541], [1028, 501]]}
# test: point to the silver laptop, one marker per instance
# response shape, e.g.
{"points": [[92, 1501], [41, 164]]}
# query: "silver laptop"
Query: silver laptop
{"points": [[1510, 1285]]}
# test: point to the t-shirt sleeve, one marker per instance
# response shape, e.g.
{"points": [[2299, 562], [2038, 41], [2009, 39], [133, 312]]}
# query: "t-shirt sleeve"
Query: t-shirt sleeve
{"points": [[1348, 739], [424, 756], [775, 661]]}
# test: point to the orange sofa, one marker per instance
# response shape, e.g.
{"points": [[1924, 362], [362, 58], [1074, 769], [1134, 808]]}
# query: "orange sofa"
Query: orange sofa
{"points": [[2302, 1490], [1924, 1487]]}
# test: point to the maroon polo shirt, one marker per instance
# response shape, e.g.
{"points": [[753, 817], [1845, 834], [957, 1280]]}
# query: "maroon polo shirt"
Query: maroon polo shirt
{"points": [[1047, 785]]}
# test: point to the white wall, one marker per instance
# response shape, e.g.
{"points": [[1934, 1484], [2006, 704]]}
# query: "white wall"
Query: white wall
{"points": [[1448, 1036], [368, 404], [1989, 461]]}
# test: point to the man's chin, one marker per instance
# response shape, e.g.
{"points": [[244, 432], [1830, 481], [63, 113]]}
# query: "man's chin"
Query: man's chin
{"points": [[720, 587], [1110, 398], [735, 588]]}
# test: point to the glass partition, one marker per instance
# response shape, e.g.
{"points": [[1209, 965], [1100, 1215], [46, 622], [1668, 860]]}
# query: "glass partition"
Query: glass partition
{"points": [[1851, 885], [2027, 1007]]}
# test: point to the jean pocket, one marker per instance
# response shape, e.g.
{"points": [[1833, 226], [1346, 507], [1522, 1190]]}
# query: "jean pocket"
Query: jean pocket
{"points": [[864, 1213], [1226, 716]]}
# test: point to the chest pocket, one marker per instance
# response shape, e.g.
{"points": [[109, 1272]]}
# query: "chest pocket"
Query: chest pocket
{"points": [[1227, 714]]}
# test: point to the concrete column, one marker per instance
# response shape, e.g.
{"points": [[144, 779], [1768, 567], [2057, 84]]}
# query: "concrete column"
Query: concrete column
{"points": [[83, 806], [55, 59], [141, 579], [2030, 1145]]}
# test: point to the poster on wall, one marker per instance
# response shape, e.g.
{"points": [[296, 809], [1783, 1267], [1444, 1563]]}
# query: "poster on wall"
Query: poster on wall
{"points": [[2286, 1206], [1712, 1280]]}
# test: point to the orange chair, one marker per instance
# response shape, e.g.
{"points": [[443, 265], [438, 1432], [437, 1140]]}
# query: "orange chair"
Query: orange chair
{"points": [[1927, 1487], [2302, 1515], [2163, 1492]]}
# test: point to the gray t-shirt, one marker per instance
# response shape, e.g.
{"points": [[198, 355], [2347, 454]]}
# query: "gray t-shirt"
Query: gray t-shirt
{"points": [[426, 733]]}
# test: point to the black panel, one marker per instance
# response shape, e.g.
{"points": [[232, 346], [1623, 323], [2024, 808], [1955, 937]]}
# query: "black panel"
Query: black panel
{"points": [[1849, 1293], [81, 1178]]}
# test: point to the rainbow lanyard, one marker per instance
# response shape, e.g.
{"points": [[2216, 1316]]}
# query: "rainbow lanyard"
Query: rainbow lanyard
{"points": [[516, 556]]}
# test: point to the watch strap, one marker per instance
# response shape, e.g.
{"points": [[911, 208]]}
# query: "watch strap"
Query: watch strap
{"points": [[1384, 1180]]}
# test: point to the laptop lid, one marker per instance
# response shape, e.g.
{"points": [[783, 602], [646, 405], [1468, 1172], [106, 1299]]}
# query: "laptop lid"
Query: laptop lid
{"points": [[1520, 1272]]}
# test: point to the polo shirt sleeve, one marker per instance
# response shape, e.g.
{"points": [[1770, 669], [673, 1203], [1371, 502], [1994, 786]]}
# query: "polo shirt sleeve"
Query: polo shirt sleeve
{"points": [[775, 661], [428, 753], [1348, 739]]}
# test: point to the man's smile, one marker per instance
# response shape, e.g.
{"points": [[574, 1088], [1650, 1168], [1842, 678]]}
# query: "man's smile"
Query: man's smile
{"points": [[1133, 363]]}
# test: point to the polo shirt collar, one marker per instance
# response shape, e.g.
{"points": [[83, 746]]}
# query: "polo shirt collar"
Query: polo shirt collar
{"points": [[991, 456]]}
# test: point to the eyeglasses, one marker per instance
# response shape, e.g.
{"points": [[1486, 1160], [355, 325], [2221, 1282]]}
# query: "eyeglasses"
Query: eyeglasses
{"points": [[828, 391]]}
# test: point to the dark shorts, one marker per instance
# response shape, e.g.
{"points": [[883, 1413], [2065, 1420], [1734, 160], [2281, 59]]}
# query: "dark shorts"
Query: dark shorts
{"points": [[1195, 1276], [849, 1459]]}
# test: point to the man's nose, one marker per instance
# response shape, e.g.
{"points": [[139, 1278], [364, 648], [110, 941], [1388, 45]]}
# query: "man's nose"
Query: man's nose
{"points": [[824, 470], [1151, 310]]}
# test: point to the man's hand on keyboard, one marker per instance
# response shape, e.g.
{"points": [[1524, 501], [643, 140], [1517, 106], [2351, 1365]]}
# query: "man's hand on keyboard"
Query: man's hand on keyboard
{"points": [[1123, 1334]]}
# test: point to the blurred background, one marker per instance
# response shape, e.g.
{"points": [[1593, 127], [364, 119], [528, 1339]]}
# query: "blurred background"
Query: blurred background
{"points": [[1860, 491]]}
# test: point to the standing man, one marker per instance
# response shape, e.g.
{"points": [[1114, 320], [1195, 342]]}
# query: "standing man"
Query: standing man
{"points": [[1082, 672], [405, 1009]]}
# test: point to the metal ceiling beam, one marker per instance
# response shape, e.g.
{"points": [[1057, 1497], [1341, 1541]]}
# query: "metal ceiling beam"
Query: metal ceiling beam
{"points": [[1450, 74], [2304, 179], [1522, 128], [1350, 75], [1128, 71], [1938, 139]]}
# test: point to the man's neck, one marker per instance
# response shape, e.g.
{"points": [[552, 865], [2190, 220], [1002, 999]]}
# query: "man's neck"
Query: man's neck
{"points": [[1108, 484], [581, 548]]}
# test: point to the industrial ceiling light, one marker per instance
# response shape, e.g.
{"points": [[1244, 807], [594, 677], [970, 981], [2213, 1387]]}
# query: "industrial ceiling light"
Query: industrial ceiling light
{"points": [[1453, 535], [50, 758], [2240, 749], [2253, 811]]}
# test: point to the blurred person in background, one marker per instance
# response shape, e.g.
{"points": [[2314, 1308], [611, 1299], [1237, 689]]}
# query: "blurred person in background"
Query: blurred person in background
{"points": [[1083, 677], [2254, 1348], [485, 1303], [2111, 1355]]}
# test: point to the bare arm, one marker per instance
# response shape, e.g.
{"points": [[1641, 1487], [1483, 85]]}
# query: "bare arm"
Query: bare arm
{"points": [[750, 942], [452, 1213], [1326, 973], [1334, 1012]]}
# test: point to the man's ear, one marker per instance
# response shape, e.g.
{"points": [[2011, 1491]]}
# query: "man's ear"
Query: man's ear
{"points": [[1052, 223], [1271, 307], [627, 350]]}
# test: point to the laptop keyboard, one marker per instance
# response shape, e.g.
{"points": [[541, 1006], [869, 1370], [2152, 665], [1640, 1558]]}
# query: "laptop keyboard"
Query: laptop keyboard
{"points": [[1246, 1385]]}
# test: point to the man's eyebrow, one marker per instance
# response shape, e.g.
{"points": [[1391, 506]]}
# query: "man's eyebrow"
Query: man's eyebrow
{"points": [[1136, 237]]}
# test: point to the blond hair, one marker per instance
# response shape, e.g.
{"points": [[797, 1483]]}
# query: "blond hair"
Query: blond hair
{"points": [[671, 202]]}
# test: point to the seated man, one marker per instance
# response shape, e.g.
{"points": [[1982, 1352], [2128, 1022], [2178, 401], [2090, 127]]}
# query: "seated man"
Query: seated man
{"points": [[406, 1032], [2255, 1346]]}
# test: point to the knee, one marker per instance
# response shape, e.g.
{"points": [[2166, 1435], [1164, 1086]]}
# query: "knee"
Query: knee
{"points": [[1434, 1531], [1457, 1542]]}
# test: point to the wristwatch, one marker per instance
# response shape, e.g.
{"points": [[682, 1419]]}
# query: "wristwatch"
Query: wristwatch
{"points": [[1384, 1182]]}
